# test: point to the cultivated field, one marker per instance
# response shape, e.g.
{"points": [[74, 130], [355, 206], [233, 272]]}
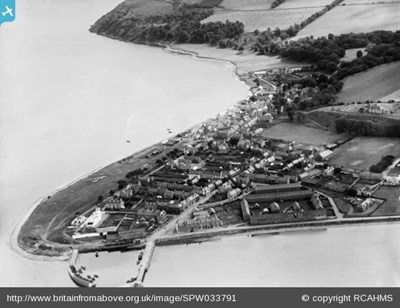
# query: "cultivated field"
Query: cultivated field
{"points": [[392, 204], [247, 5], [363, 152], [355, 18], [143, 8], [361, 2], [262, 20], [393, 96], [303, 4], [373, 84], [300, 133]]}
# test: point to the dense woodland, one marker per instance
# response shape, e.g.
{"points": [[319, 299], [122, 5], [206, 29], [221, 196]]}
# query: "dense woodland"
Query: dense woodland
{"points": [[181, 26], [367, 127]]}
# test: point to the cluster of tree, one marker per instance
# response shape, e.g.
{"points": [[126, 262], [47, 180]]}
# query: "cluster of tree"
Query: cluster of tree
{"points": [[131, 175], [323, 53], [359, 127], [322, 93], [385, 162], [377, 55], [204, 4], [185, 26], [360, 40], [392, 130], [276, 3], [367, 127], [181, 26]]}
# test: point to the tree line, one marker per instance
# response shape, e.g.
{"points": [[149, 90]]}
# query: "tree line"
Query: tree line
{"points": [[276, 3], [367, 127], [183, 25]]}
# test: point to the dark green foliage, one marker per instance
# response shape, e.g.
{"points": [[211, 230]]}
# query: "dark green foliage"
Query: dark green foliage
{"points": [[181, 26], [359, 127], [337, 171], [276, 3], [122, 184], [385, 162], [351, 192], [205, 4]]}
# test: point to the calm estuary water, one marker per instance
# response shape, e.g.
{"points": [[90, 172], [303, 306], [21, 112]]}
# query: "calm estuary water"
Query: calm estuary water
{"points": [[70, 99]]}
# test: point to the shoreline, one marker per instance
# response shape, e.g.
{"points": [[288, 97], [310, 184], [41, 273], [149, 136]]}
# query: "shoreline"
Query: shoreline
{"points": [[14, 235], [188, 238], [13, 242]]}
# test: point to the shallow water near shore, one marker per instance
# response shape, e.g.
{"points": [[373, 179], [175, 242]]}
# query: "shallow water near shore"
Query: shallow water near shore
{"points": [[70, 100], [343, 256]]}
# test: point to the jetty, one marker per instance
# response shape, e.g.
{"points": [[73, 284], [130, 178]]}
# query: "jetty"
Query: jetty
{"points": [[143, 267], [75, 274]]}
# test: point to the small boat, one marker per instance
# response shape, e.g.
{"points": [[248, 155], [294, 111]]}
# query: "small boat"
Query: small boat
{"points": [[140, 257], [95, 276], [128, 141]]}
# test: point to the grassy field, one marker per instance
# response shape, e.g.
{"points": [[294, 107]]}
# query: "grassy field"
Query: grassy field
{"points": [[359, 2], [355, 18], [143, 8], [373, 84], [351, 54], [363, 152], [304, 3], [392, 96], [262, 20], [247, 5], [300, 133], [392, 204]]}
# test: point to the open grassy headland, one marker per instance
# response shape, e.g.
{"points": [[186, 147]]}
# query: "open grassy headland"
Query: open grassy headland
{"points": [[355, 18], [300, 133], [361, 153], [374, 84], [245, 61], [262, 20], [43, 232]]}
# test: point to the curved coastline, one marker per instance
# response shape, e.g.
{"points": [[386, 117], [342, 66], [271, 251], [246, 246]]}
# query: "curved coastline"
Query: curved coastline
{"points": [[13, 237], [14, 234]]}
